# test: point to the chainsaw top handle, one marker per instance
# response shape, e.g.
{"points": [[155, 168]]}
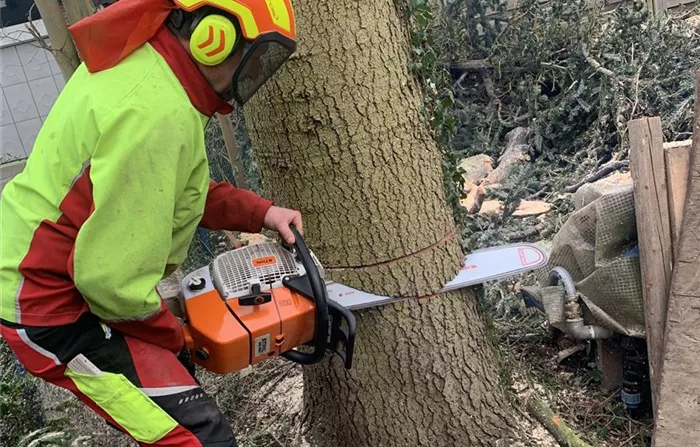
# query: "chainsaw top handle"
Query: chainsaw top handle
{"points": [[320, 297]]}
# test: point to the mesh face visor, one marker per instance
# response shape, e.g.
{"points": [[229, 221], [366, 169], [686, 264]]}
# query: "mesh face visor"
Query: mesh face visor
{"points": [[261, 59]]}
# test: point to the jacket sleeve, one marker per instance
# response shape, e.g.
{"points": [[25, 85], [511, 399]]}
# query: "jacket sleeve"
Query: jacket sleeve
{"points": [[122, 249], [233, 209]]}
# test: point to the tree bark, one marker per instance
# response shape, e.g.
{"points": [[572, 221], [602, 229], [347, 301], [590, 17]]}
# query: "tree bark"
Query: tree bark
{"points": [[338, 135]]}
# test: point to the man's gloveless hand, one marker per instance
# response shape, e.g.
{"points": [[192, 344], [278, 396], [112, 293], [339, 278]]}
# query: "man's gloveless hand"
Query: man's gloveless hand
{"points": [[279, 219]]}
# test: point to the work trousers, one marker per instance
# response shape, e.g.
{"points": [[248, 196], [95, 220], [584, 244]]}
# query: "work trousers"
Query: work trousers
{"points": [[141, 389]]}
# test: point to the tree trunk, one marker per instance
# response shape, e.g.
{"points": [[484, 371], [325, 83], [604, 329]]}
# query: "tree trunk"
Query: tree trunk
{"points": [[338, 135]]}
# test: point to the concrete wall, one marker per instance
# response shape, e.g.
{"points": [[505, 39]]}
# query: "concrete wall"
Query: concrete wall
{"points": [[30, 82]]}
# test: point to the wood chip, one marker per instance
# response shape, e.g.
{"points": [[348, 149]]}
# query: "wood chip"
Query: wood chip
{"points": [[529, 208], [491, 207], [474, 199]]}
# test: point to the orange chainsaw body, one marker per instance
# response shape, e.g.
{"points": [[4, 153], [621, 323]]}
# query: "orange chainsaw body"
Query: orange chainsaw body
{"points": [[227, 337], [261, 301]]}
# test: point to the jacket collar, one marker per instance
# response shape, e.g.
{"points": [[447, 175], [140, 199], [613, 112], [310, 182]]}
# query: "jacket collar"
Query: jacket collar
{"points": [[201, 94]]}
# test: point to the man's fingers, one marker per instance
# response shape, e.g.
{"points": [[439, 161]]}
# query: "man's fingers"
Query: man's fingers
{"points": [[286, 233], [297, 223]]}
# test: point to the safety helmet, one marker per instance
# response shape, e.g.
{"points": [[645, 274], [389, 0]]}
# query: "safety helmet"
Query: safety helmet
{"points": [[264, 29]]}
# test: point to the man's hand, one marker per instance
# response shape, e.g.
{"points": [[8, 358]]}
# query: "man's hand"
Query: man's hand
{"points": [[278, 219]]}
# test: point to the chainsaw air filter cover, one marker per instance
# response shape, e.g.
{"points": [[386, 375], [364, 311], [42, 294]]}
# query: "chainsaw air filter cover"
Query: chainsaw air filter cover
{"points": [[264, 264]]}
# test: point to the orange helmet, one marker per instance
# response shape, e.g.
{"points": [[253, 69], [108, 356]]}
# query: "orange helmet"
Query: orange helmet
{"points": [[256, 17], [266, 26]]}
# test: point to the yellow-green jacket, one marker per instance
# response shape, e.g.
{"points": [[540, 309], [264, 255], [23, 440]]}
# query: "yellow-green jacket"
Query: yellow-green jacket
{"points": [[111, 196]]}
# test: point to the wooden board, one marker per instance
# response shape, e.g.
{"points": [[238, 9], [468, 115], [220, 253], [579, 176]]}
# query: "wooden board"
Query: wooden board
{"points": [[677, 157], [229, 134], [654, 232], [678, 408]]}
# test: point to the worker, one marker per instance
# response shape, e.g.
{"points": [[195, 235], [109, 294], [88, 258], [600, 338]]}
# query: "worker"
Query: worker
{"points": [[111, 196]]}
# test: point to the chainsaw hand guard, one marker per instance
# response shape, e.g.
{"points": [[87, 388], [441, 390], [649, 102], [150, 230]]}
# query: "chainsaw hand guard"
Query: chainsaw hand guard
{"points": [[340, 340], [312, 280]]}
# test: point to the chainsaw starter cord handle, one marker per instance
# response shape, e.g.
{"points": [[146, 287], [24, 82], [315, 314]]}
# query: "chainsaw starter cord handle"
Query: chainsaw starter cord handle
{"points": [[321, 303]]}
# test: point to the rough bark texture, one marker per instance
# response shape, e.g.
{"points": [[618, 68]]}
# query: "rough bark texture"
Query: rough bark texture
{"points": [[338, 135]]}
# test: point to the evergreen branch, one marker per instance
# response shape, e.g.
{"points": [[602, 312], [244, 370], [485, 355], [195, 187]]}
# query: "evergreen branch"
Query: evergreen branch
{"points": [[599, 67]]}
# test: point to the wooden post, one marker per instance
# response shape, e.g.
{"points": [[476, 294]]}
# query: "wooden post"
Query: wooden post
{"points": [[678, 408], [61, 42], [232, 148], [654, 232], [78, 9], [677, 157]]}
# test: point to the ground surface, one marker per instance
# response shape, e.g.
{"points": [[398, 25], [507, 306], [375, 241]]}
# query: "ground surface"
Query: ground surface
{"points": [[571, 388]]}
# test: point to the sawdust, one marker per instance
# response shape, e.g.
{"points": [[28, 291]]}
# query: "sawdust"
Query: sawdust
{"points": [[245, 239]]}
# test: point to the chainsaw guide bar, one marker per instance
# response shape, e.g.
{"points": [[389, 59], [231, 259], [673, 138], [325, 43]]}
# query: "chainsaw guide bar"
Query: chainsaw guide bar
{"points": [[480, 266]]}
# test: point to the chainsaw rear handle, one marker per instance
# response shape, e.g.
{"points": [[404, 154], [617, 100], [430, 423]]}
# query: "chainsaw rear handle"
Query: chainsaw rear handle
{"points": [[320, 297]]}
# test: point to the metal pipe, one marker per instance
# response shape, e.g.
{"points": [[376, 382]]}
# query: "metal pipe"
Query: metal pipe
{"points": [[572, 308], [580, 332], [559, 274]]}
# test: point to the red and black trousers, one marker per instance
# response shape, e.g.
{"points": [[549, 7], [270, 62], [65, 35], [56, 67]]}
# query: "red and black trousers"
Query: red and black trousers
{"points": [[141, 389]]}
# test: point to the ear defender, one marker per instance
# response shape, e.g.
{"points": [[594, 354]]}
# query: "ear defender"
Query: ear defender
{"points": [[213, 39]]}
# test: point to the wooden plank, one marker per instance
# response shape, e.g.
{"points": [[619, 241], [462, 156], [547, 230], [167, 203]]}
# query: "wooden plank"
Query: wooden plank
{"points": [[78, 9], [678, 408], [232, 147], [653, 232], [677, 157]]}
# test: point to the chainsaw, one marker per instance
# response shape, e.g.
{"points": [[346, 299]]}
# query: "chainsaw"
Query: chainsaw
{"points": [[265, 300], [262, 301]]}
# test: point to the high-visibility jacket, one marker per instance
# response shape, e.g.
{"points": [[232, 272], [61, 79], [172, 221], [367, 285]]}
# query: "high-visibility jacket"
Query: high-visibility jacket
{"points": [[112, 194]]}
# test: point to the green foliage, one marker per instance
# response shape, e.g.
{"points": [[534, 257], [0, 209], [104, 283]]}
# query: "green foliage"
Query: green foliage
{"points": [[16, 417], [572, 73], [438, 97]]}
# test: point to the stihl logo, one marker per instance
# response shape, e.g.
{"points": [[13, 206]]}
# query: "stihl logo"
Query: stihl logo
{"points": [[210, 42], [264, 261]]}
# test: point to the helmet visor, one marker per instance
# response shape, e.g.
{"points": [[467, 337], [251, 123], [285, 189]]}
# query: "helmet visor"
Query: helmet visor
{"points": [[260, 61]]}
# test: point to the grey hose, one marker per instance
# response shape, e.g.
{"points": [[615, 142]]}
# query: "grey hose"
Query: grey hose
{"points": [[574, 320]]}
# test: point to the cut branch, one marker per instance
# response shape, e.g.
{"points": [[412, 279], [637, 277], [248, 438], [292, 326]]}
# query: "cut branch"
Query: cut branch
{"points": [[564, 435], [472, 65], [529, 232], [515, 152], [602, 172]]}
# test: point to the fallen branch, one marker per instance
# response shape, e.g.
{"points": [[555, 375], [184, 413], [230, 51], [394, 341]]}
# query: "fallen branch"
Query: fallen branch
{"points": [[472, 65], [602, 172], [599, 67], [564, 435], [568, 352], [517, 148], [514, 236], [538, 194]]}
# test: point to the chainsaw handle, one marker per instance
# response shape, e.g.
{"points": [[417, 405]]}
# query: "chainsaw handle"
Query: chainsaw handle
{"points": [[320, 295]]}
